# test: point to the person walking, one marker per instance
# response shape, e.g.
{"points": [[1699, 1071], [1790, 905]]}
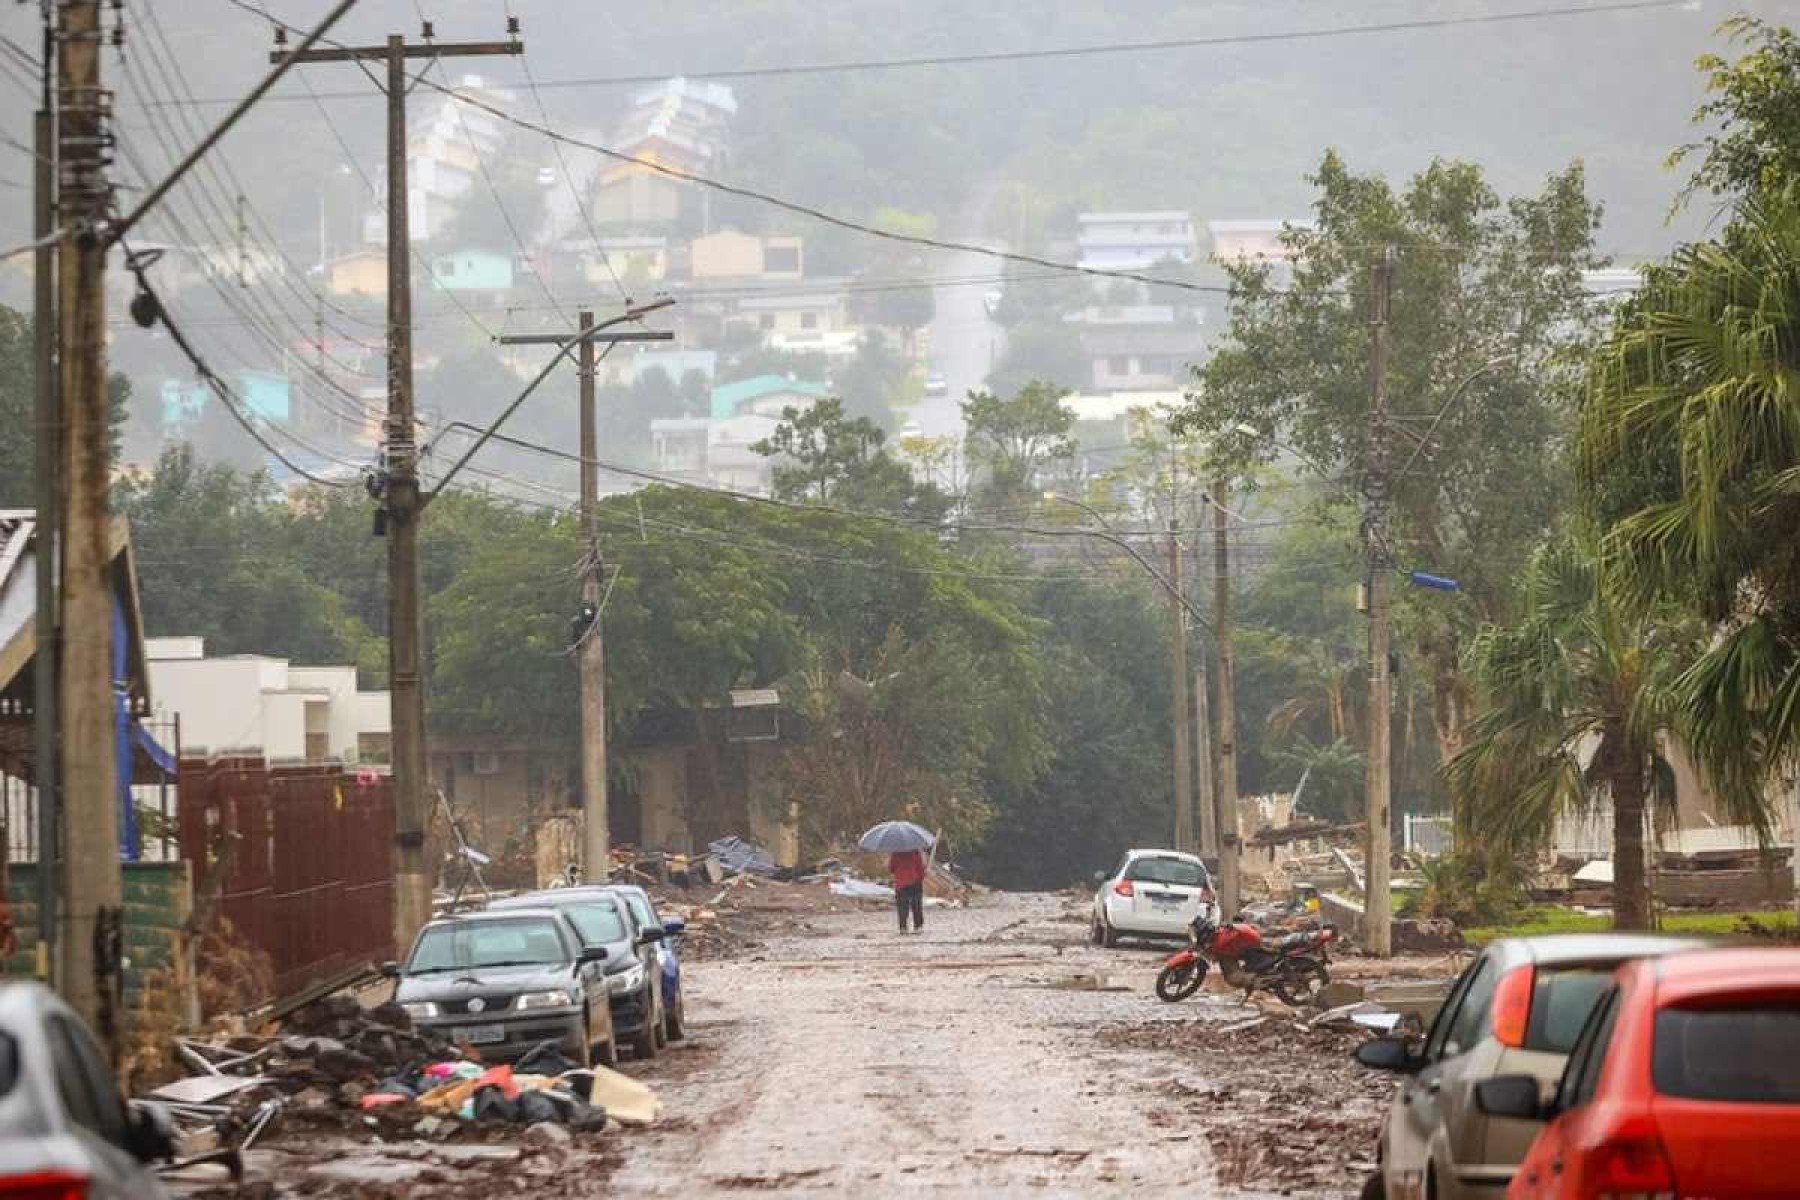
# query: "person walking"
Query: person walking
{"points": [[908, 869]]}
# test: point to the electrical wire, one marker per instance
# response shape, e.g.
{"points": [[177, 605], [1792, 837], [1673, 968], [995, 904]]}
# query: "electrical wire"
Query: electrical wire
{"points": [[1083, 51]]}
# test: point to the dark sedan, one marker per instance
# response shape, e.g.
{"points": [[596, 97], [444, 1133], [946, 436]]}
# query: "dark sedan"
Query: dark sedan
{"points": [[504, 982], [633, 972]]}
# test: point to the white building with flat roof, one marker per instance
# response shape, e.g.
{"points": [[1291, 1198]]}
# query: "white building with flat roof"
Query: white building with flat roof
{"points": [[260, 705], [1134, 241]]}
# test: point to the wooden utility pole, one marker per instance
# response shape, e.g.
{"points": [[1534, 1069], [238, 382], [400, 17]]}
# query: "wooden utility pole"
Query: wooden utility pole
{"points": [[1231, 884], [49, 450], [1178, 698], [1377, 548], [89, 937], [596, 850], [399, 482]]}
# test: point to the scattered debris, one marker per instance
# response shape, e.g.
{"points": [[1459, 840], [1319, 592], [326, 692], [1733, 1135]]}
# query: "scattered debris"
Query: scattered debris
{"points": [[740, 857]]}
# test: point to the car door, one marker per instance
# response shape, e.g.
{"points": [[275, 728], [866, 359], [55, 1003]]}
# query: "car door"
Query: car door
{"points": [[1415, 1117], [96, 1111], [1546, 1170]]}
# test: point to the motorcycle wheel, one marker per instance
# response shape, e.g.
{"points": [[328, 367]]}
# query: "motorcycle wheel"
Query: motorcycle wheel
{"points": [[1178, 983], [1301, 983]]}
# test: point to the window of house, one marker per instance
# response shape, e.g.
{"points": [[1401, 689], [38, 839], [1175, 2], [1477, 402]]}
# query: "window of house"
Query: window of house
{"points": [[1159, 364], [766, 321], [781, 258], [1118, 364], [809, 320]]}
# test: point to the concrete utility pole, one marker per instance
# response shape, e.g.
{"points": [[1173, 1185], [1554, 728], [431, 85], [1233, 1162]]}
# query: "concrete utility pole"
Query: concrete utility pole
{"points": [[1377, 547], [89, 937], [1231, 884], [49, 450], [596, 850], [1205, 761], [1178, 698], [399, 484]]}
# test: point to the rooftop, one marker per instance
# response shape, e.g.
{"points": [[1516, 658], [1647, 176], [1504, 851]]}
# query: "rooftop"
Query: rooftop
{"points": [[1095, 218], [727, 398]]}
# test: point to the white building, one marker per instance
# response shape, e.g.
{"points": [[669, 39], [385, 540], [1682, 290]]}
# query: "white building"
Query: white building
{"points": [[446, 143], [1135, 241], [257, 705]]}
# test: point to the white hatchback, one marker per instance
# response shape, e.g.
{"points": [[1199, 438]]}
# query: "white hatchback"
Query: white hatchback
{"points": [[1152, 894]]}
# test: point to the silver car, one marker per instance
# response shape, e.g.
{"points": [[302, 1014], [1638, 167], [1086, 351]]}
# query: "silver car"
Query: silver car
{"points": [[64, 1128], [1516, 1010]]}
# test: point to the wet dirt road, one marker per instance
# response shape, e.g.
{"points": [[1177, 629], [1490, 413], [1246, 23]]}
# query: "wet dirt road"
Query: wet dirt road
{"points": [[968, 1061]]}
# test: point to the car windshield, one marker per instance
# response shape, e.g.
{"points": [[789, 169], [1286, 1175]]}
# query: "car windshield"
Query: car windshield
{"points": [[529, 941], [1561, 1000], [1738, 1054], [596, 921], [1178, 872]]}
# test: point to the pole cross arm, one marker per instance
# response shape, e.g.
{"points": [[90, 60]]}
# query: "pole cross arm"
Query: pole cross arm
{"points": [[564, 345], [412, 50], [557, 339]]}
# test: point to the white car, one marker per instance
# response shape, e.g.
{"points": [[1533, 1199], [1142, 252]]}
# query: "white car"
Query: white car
{"points": [[1152, 894]]}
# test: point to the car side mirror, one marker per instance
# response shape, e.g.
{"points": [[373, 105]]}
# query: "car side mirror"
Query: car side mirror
{"points": [[149, 1137], [1513, 1096], [674, 926], [593, 954], [390, 970], [651, 935], [1389, 1054]]}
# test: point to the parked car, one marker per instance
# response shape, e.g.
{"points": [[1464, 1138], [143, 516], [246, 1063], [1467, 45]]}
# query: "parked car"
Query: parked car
{"points": [[633, 968], [65, 1131], [1685, 1081], [506, 981], [1152, 894], [1516, 1010], [643, 910], [936, 384]]}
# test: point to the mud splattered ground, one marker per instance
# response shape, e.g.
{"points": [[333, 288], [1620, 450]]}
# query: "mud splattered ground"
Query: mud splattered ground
{"points": [[996, 1055]]}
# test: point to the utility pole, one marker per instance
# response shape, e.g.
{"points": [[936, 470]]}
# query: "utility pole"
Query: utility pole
{"points": [[398, 485], [596, 850], [1377, 548], [89, 939], [1206, 764], [1231, 885], [1178, 698], [49, 454]]}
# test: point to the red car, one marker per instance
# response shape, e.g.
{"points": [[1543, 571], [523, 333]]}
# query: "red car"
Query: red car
{"points": [[1685, 1082]]}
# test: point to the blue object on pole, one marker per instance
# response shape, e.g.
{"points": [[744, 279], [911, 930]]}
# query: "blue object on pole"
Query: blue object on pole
{"points": [[1438, 582]]}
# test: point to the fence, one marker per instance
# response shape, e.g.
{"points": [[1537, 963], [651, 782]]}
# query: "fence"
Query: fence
{"points": [[1429, 836], [300, 857]]}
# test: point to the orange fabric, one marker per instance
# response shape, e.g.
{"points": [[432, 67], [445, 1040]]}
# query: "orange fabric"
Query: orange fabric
{"points": [[907, 867]]}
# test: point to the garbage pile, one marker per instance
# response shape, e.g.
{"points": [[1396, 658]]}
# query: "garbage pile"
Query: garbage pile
{"points": [[368, 1073]]}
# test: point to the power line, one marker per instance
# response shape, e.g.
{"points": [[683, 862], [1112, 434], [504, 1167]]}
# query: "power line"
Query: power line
{"points": [[1082, 51]]}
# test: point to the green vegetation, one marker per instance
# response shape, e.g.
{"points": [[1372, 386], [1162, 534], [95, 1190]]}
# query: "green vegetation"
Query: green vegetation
{"points": [[1539, 921]]}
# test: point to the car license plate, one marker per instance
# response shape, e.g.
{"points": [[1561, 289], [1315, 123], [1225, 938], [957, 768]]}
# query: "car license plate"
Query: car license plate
{"points": [[1165, 900], [479, 1034]]}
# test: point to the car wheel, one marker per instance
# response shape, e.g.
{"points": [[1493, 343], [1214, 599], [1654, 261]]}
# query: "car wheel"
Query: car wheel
{"points": [[675, 1020], [644, 1043], [1109, 937], [1096, 932]]}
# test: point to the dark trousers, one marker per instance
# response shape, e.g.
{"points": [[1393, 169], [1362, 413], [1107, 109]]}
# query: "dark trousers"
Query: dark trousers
{"points": [[910, 900]]}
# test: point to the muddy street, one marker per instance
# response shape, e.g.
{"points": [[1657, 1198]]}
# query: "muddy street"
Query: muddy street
{"points": [[995, 1055]]}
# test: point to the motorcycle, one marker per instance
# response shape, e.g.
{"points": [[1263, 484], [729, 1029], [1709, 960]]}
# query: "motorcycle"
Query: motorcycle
{"points": [[1293, 966]]}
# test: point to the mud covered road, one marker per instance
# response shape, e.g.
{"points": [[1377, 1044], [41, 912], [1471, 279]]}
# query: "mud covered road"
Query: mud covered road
{"points": [[995, 1055]]}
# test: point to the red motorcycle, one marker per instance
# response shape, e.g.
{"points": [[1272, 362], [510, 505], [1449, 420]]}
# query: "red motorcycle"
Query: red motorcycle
{"points": [[1293, 966]]}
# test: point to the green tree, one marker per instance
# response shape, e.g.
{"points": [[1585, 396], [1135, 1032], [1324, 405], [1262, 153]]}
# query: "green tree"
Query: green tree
{"points": [[1580, 696], [1017, 438], [1487, 325], [1753, 106], [825, 457], [18, 410]]}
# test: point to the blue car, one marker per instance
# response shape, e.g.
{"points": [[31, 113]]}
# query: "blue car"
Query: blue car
{"points": [[643, 912]]}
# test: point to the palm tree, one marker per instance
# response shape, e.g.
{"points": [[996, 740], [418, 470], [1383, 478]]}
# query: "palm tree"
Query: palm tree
{"points": [[1691, 443], [1577, 700]]}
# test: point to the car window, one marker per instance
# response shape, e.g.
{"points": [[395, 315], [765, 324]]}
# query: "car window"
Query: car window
{"points": [[597, 921], [9, 1063], [530, 942], [88, 1093], [1747, 1054], [641, 909], [1177, 871], [1582, 1074], [1440, 1027], [1561, 1001], [1470, 1024]]}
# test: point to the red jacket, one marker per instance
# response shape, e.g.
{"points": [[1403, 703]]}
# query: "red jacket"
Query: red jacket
{"points": [[907, 868]]}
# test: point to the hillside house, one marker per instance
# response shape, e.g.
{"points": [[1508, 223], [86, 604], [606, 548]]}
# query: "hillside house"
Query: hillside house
{"points": [[1134, 241], [1138, 347], [472, 270], [765, 395], [730, 255]]}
